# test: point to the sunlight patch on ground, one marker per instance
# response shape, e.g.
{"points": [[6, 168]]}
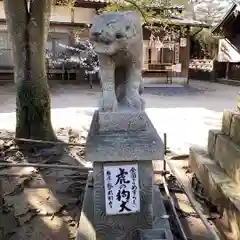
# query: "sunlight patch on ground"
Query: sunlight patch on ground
{"points": [[43, 200], [184, 126]]}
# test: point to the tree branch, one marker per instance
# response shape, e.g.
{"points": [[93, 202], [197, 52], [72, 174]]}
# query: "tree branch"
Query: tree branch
{"points": [[138, 8], [39, 165]]}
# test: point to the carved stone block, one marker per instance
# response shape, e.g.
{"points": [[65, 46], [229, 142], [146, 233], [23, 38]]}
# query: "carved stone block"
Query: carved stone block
{"points": [[212, 136], [235, 129], [227, 120], [123, 226], [227, 154]]}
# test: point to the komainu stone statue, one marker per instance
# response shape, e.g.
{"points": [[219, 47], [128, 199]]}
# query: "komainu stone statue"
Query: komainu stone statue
{"points": [[117, 39]]}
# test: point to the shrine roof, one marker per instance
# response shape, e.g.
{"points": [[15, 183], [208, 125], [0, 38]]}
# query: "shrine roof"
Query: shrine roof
{"points": [[232, 13], [183, 21]]}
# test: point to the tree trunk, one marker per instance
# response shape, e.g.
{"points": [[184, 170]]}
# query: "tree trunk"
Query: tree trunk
{"points": [[1, 198], [28, 23]]}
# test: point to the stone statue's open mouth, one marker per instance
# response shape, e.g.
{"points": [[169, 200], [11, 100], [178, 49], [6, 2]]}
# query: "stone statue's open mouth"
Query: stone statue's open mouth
{"points": [[102, 44], [104, 48], [102, 39]]}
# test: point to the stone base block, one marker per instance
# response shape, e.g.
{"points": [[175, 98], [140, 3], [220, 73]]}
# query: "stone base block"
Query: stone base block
{"points": [[219, 186], [212, 137], [231, 125], [142, 144], [159, 212], [123, 226], [160, 225], [121, 121], [235, 129], [156, 234], [227, 120], [227, 155], [86, 230]]}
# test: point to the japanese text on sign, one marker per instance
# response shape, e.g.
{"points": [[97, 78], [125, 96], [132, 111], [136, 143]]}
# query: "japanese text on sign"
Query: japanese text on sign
{"points": [[121, 189]]}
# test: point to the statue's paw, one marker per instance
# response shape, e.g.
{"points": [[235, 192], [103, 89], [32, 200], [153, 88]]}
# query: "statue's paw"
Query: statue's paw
{"points": [[135, 102], [109, 104], [143, 103]]}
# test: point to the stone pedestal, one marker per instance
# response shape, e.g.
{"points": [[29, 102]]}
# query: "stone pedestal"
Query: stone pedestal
{"points": [[126, 143]]}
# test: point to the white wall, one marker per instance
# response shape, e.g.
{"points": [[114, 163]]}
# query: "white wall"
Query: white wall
{"points": [[83, 15], [74, 15], [64, 14], [59, 29], [61, 14], [227, 52], [160, 80], [2, 13]]}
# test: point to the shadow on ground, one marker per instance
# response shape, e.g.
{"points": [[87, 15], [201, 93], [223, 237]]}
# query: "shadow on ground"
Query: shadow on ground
{"points": [[185, 90], [47, 202]]}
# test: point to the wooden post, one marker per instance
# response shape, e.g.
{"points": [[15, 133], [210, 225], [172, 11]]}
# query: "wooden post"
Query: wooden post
{"points": [[1, 211], [227, 71], [1, 197]]}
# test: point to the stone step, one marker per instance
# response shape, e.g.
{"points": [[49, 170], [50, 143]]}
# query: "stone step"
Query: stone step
{"points": [[218, 185], [231, 125], [227, 120], [225, 152], [227, 155], [212, 137]]}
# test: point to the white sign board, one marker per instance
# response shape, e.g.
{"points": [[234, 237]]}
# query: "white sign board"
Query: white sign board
{"points": [[121, 185], [178, 67], [177, 53], [227, 52], [183, 42]]}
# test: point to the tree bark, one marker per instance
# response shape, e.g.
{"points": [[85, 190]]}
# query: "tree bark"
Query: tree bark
{"points": [[28, 23], [1, 197]]}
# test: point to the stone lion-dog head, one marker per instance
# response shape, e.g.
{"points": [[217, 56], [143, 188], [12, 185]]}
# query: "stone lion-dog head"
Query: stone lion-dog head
{"points": [[112, 32]]}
